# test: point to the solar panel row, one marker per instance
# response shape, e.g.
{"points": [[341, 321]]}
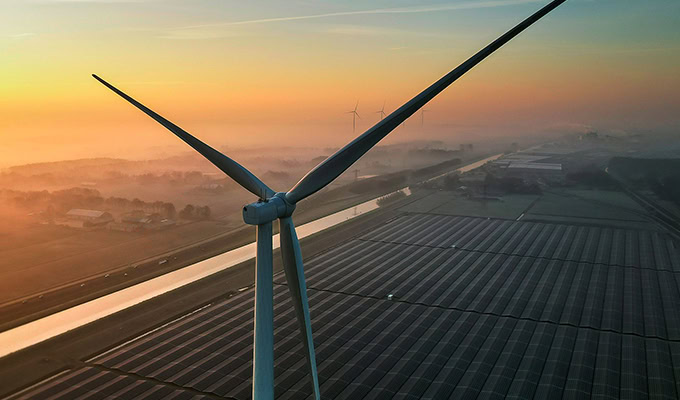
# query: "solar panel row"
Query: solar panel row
{"points": [[95, 382], [369, 348], [462, 323], [618, 299], [610, 246]]}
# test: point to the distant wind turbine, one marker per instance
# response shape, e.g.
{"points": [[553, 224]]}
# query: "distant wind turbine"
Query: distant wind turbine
{"points": [[355, 114], [382, 111], [271, 206], [422, 117]]}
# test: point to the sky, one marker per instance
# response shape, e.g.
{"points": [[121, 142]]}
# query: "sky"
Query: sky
{"points": [[267, 72]]}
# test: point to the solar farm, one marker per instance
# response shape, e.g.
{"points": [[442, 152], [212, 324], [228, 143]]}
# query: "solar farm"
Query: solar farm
{"points": [[432, 306]]}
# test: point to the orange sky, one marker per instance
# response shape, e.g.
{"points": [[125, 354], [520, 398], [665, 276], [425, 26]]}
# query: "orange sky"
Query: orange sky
{"points": [[227, 76]]}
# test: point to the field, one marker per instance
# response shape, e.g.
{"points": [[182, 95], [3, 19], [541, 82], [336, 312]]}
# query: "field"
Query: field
{"points": [[61, 266], [48, 264]]}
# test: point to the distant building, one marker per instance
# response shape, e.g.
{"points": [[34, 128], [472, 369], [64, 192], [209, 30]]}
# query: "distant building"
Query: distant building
{"points": [[529, 167], [139, 217], [138, 220], [590, 136], [211, 187], [466, 147], [86, 219], [87, 215]]}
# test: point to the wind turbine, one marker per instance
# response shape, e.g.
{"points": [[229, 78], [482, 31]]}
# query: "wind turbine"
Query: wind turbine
{"points": [[271, 205], [422, 117], [382, 111], [355, 114]]}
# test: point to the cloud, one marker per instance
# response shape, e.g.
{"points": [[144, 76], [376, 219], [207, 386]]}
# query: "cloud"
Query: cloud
{"points": [[380, 11], [197, 34], [400, 10], [93, 1], [155, 83], [20, 35], [360, 30]]}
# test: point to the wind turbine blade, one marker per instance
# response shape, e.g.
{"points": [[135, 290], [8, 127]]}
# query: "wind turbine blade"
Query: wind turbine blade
{"points": [[230, 167], [356, 106], [295, 276], [333, 166]]}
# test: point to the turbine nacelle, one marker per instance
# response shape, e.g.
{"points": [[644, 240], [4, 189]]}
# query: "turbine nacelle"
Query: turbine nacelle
{"points": [[268, 210]]}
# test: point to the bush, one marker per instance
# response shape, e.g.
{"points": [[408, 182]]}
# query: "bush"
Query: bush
{"points": [[191, 212], [391, 198]]}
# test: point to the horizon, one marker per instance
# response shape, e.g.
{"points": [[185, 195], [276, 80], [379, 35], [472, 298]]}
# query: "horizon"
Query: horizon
{"points": [[191, 187], [208, 67]]}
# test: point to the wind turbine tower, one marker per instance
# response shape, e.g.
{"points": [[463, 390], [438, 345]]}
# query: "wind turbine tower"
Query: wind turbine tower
{"points": [[355, 114], [422, 118], [382, 111]]}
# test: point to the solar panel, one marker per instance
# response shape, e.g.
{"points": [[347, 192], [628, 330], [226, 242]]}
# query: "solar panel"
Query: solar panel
{"points": [[516, 309]]}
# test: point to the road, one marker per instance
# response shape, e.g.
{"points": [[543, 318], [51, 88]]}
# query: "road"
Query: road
{"points": [[39, 305]]}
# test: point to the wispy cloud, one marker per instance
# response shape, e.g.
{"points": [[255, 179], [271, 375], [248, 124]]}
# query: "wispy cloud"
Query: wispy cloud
{"points": [[92, 1], [378, 11], [20, 35], [360, 30], [155, 83], [399, 10], [197, 34]]}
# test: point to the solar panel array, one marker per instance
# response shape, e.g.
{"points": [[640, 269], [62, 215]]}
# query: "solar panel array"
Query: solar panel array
{"points": [[478, 308]]}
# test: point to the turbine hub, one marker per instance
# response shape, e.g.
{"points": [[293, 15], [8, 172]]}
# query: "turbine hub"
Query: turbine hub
{"points": [[264, 211]]}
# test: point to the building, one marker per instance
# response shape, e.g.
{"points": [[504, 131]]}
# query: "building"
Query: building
{"points": [[139, 220], [86, 219], [529, 167], [139, 217], [536, 171]]}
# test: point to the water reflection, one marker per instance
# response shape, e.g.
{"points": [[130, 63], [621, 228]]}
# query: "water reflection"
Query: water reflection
{"points": [[42, 329]]}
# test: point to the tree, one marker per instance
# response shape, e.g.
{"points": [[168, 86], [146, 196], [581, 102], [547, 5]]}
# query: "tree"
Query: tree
{"points": [[203, 212], [187, 212], [137, 204], [168, 210]]}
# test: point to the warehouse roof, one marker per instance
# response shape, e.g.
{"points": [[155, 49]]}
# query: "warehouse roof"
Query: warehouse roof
{"points": [[78, 212], [535, 166]]}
